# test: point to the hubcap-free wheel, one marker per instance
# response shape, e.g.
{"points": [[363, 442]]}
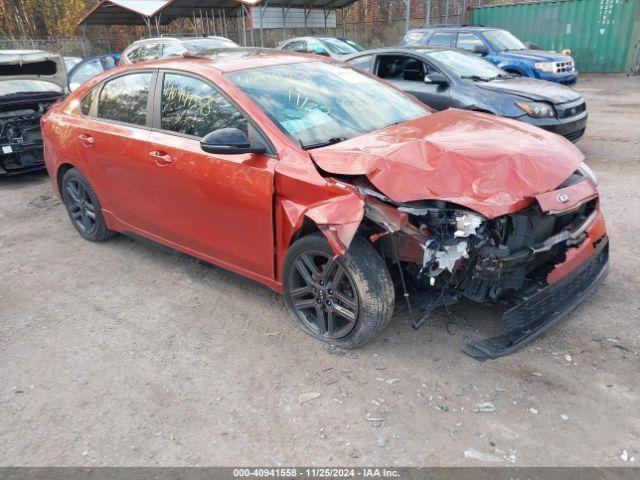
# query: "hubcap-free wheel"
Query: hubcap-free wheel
{"points": [[81, 208], [323, 294]]}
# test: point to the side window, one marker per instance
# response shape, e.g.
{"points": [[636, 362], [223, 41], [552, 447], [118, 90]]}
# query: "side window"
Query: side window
{"points": [[87, 101], [363, 63], [193, 107], [297, 46], [413, 38], [314, 46], [133, 55], [150, 51], [172, 50], [399, 67], [468, 41], [124, 99], [442, 39]]}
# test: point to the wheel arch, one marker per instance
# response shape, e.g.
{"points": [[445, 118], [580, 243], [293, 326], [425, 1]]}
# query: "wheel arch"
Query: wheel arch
{"points": [[62, 169]]}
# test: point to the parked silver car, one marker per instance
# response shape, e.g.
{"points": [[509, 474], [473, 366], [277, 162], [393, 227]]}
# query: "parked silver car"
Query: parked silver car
{"points": [[161, 47]]}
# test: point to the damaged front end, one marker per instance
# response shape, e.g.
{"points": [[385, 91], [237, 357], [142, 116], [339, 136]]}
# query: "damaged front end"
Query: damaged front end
{"points": [[542, 260], [30, 82]]}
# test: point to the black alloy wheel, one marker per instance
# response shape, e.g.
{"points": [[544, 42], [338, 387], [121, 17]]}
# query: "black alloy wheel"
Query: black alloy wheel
{"points": [[323, 294], [80, 205]]}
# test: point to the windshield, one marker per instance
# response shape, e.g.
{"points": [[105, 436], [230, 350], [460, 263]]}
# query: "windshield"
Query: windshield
{"points": [[319, 103], [503, 40], [338, 46], [466, 65], [208, 44], [15, 87]]}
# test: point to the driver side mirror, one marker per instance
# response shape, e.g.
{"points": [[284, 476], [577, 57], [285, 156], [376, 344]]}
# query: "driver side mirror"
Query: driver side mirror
{"points": [[436, 78], [228, 141], [481, 50]]}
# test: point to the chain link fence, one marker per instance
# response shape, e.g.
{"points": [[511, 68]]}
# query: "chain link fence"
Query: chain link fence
{"points": [[67, 47]]}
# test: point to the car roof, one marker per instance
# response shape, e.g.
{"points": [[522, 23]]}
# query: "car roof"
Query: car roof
{"points": [[453, 29], [177, 39], [404, 48], [234, 59]]}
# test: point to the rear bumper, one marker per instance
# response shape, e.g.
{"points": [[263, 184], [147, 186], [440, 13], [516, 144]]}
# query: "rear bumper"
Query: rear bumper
{"points": [[542, 310]]}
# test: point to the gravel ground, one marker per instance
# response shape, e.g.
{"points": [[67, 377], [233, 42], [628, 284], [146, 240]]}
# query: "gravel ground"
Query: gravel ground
{"points": [[122, 353]]}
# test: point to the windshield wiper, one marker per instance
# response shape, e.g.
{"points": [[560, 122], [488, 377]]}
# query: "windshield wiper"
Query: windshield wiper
{"points": [[331, 141], [475, 78]]}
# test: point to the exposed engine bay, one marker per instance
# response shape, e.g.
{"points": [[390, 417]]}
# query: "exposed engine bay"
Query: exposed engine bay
{"points": [[30, 82], [442, 253], [20, 135]]}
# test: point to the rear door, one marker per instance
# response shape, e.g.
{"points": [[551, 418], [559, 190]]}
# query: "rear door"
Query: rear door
{"points": [[217, 206], [112, 143], [407, 72]]}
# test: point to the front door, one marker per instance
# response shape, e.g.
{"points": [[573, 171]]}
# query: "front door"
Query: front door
{"points": [[215, 206]]}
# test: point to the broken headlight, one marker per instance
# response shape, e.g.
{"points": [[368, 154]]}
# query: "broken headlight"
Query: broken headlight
{"points": [[450, 241], [587, 172]]}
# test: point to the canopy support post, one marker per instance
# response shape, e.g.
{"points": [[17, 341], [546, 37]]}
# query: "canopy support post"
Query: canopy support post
{"points": [[84, 41], [407, 15], [262, 10], [224, 24], [244, 27], [427, 12], [344, 24], [195, 25]]}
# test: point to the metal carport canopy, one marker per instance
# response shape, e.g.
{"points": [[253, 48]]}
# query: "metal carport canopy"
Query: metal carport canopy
{"points": [[123, 12], [307, 4]]}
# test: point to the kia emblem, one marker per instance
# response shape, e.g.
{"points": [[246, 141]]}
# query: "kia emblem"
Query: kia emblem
{"points": [[563, 197]]}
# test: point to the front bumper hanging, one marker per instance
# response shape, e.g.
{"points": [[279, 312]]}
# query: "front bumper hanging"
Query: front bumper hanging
{"points": [[542, 310]]}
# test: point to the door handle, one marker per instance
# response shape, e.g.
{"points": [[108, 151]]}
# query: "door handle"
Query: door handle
{"points": [[87, 140], [161, 158]]}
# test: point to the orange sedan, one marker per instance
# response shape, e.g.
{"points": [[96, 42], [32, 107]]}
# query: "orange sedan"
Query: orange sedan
{"points": [[333, 187]]}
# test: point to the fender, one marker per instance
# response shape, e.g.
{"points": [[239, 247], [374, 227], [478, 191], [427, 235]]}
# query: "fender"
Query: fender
{"points": [[525, 72], [337, 218]]}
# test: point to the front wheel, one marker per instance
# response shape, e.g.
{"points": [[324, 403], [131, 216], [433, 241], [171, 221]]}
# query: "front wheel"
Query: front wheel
{"points": [[345, 301]]}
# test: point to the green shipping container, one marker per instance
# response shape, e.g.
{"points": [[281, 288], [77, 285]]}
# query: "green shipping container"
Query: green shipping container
{"points": [[603, 35]]}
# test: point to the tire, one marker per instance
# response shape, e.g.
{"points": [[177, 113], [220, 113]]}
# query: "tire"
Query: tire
{"points": [[84, 207], [357, 287]]}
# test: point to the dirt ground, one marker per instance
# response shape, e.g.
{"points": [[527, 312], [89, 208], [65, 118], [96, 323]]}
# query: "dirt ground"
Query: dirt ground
{"points": [[125, 354]]}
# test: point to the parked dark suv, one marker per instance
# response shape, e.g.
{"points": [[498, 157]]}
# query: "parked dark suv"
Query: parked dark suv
{"points": [[501, 48]]}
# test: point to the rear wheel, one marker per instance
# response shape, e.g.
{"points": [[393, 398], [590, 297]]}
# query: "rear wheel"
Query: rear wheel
{"points": [[345, 301], [83, 207]]}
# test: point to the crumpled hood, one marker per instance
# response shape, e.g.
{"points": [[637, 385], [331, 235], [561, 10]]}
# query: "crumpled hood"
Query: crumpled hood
{"points": [[532, 89], [33, 65], [492, 165], [535, 55]]}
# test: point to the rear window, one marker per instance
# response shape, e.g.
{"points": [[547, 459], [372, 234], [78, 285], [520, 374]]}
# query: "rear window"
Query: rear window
{"points": [[209, 44]]}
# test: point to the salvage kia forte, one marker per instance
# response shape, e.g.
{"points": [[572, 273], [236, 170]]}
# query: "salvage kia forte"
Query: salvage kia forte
{"points": [[334, 188]]}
